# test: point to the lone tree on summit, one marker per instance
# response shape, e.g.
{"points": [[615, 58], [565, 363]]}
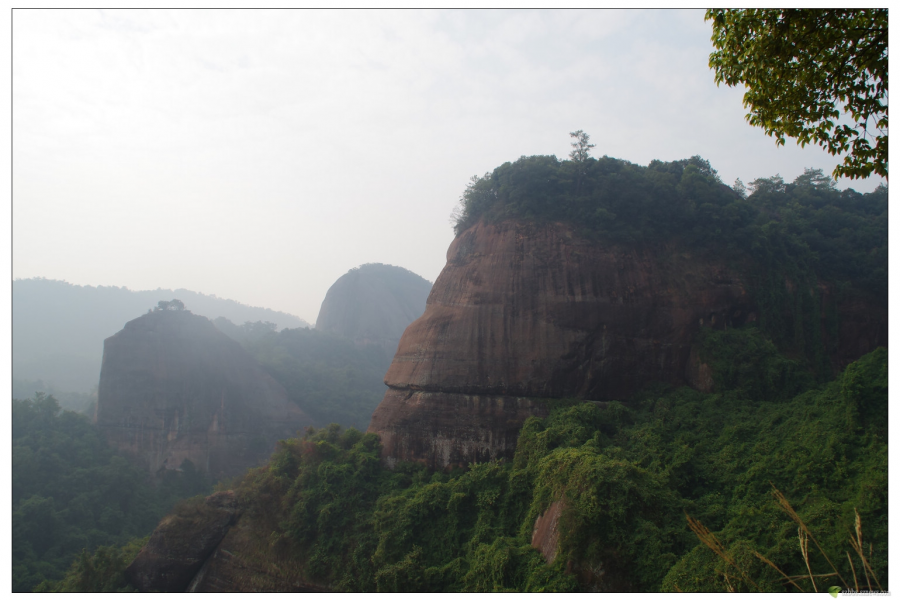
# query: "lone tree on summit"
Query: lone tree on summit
{"points": [[582, 146], [806, 70]]}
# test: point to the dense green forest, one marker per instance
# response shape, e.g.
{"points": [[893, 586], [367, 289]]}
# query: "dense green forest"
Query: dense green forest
{"points": [[71, 492], [332, 379], [807, 226], [628, 475]]}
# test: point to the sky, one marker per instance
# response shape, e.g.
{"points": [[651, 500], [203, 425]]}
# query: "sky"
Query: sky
{"points": [[260, 155]]}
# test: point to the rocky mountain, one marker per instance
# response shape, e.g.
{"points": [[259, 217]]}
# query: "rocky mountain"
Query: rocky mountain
{"points": [[525, 311], [173, 388], [373, 304], [572, 285], [59, 328]]}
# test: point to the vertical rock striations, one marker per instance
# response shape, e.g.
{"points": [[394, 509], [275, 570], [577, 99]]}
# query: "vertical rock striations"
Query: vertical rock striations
{"points": [[175, 388], [524, 312]]}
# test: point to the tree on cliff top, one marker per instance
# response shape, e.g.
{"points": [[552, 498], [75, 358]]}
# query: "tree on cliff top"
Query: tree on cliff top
{"points": [[581, 145], [804, 70]]}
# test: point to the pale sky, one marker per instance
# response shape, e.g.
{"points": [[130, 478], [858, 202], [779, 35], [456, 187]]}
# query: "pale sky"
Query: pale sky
{"points": [[259, 155]]}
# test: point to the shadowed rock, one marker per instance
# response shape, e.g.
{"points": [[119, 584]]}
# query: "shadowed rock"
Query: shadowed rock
{"points": [[173, 387], [181, 543]]}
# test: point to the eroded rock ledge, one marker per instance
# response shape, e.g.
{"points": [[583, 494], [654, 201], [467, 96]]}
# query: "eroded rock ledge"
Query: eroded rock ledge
{"points": [[525, 311]]}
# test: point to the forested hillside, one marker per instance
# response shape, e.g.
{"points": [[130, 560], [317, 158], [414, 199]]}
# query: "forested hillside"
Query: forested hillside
{"points": [[71, 492], [627, 476], [783, 440], [331, 378]]}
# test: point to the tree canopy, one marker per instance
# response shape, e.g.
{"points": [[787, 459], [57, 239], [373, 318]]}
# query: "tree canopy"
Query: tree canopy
{"points": [[72, 493], [805, 71]]}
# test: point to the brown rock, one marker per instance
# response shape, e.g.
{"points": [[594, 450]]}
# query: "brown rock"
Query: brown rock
{"points": [[181, 543], [213, 546], [533, 311], [246, 561], [545, 536], [591, 576], [173, 387], [446, 430], [528, 311]]}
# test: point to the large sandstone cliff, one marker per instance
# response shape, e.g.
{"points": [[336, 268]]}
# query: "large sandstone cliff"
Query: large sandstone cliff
{"points": [[173, 387], [524, 312]]}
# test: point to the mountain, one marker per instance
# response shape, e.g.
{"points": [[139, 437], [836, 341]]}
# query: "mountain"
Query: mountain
{"points": [[619, 368], [175, 388], [525, 312], [59, 328], [373, 304], [589, 280]]}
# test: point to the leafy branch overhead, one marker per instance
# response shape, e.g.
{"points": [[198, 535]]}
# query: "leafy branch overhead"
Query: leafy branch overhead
{"points": [[808, 72]]}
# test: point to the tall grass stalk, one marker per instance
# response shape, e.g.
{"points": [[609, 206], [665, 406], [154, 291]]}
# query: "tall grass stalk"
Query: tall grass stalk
{"points": [[713, 543], [787, 508], [804, 535]]}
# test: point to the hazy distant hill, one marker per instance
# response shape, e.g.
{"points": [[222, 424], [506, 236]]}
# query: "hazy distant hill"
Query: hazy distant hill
{"points": [[59, 328], [373, 304]]}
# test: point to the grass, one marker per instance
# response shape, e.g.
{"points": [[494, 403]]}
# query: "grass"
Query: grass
{"points": [[804, 535]]}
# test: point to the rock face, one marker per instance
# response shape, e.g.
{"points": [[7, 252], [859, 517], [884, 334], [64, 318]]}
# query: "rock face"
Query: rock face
{"points": [[181, 544], [545, 535], [243, 563], [214, 545], [444, 429], [373, 304], [523, 312], [173, 387]]}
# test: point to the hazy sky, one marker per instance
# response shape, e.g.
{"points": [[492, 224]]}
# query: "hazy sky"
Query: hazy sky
{"points": [[259, 155]]}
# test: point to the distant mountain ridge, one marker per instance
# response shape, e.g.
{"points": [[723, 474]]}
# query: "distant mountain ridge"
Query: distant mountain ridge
{"points": [[59, 327]]}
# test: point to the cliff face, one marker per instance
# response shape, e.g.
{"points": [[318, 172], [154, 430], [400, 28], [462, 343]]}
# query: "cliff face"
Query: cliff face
{"points": [[214, 546], [173, 387], [373, 304], [523, 312]]}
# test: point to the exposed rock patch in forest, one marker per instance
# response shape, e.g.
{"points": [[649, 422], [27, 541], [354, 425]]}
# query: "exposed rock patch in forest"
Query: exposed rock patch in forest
{"points": [[181, 543]]}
